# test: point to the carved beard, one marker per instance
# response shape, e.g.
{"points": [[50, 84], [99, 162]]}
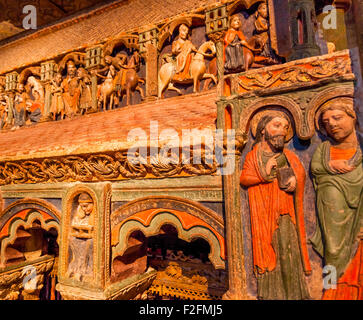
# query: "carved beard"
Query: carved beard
{"points": [[276, 142]]}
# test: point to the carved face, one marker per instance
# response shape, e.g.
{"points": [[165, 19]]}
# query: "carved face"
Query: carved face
{"points": [[20, 88], [87, 207], [58, 79], [338, 124], [71, 69], [276, 131], [262, 10], [183, 32], [236, 23]]}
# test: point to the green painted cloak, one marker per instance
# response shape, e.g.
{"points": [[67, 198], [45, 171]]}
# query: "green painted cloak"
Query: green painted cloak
{"points": [[339, 200]]}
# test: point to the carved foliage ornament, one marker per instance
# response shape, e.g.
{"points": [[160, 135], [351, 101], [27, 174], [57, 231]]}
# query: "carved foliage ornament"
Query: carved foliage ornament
{"points": [[100, 167], [295, 74]]}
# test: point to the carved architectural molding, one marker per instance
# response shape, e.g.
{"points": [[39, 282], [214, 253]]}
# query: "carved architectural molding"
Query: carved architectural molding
{"points": [[301, 107], [311, 71], [99, 167], [167, 203]]}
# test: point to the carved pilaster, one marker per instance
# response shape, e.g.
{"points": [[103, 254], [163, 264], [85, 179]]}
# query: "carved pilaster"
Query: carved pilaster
{"points": [[85, 244], [233, 214], [148, 43]]}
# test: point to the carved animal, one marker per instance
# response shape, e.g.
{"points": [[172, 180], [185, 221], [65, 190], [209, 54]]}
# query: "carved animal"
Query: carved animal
{"points": [[212, 69], [197, 71], [106, 91], [128, 80]]}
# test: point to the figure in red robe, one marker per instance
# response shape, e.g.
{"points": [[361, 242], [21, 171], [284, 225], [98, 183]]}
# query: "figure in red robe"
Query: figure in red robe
{"points": [[275, 179]]}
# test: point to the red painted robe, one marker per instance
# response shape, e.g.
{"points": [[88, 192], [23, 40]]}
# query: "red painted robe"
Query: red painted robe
{"points": [[267, 203], [228, 39]]}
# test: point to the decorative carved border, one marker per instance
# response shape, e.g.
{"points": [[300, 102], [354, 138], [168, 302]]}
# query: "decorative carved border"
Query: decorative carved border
{"points": [[305, 72], [97, 167]]}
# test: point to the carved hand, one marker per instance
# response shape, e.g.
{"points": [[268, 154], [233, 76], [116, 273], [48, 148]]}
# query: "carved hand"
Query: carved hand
{"points": [[340, 166], [291, 184], [271, 164]]}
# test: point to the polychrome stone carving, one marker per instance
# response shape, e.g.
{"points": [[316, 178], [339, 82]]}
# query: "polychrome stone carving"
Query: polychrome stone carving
{"points": [[185, 64], [338, 181], [81, 240], [275, 179]]}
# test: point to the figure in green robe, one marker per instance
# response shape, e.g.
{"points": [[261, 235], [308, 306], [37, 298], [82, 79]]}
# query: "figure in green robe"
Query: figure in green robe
{"points": [[338, 181]]}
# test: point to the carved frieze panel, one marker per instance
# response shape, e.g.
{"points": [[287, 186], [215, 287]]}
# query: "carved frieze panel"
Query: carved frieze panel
{"points": [[311, 71], [186, 56], [100, 167]]}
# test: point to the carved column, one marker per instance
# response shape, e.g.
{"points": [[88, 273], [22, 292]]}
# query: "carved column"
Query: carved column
{"points": [[93, 60], [148, 43], [216, 26], [302, 20], [358, 19], [227, 119], [48, 71], [340, 34], [11, 84]]}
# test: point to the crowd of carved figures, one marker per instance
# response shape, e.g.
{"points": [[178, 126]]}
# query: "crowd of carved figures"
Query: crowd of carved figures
{"points": [[273, 177], [73, 88]]}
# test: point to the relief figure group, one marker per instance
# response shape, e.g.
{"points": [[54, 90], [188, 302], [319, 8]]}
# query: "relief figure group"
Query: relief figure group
{"points": [[275, 179]]}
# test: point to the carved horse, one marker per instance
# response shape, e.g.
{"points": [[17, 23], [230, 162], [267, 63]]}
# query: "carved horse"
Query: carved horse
{"points": [[106, 91], [128, 80], [197, 71]]}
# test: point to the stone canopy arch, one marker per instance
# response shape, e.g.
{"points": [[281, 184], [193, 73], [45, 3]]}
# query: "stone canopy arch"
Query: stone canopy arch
{"points": [[22, 215], [281, 103], [150, 214]]}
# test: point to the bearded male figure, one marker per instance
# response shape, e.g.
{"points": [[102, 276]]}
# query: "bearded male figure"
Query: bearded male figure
{"points": [[275, 179]]}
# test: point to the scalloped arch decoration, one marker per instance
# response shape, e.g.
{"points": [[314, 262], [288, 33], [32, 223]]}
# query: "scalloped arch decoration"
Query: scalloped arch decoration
{"points": [[25, 219], [189, 228]]}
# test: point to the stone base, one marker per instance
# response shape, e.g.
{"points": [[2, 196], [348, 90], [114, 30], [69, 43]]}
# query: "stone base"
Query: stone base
{"points": [[125, 290]]}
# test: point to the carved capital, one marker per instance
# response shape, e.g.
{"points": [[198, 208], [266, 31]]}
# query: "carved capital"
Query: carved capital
{"points": [[240, 140], [217, 36], [342, 4]]}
